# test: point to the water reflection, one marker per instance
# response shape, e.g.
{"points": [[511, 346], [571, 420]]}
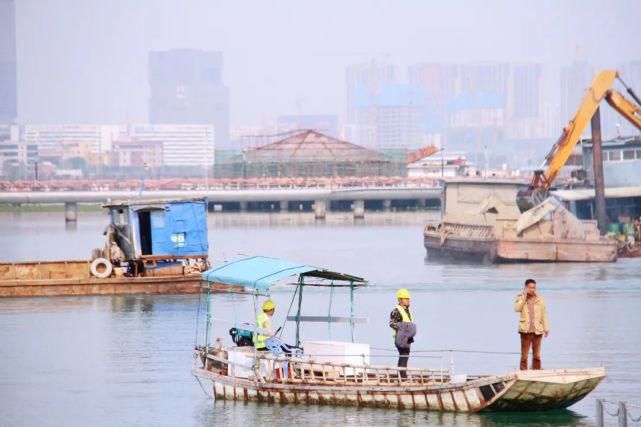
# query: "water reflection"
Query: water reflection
{"points": [[268, 414]]}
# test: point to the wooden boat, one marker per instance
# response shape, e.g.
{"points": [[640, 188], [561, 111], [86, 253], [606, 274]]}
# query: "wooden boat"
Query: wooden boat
{"points": [[315, 377], [152, 247], [310, 382]]}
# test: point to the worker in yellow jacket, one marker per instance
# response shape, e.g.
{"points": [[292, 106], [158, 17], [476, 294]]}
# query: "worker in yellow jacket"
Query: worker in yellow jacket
{"points": [[264, 325], [533, 323]]}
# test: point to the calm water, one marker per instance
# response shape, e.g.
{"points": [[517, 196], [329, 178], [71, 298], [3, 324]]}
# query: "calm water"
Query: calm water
{"points": [[126, 360]]}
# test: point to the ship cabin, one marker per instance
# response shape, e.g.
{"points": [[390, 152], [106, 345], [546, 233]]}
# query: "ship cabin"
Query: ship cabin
{"points": [[159, 234]]}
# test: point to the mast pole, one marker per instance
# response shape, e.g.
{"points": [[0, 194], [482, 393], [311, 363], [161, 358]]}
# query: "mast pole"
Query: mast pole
{"points": [[208, 324], [301, 282], [351, 308]]}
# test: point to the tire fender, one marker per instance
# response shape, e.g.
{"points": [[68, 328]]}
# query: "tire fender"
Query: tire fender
{"points": [[101, 268]]}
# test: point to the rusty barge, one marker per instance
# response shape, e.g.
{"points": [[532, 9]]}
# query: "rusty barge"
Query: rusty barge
{"points": [[341, 373], [482, 222], [151, 247]]}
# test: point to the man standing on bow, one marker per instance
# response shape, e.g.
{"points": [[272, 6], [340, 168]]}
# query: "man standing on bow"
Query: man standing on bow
{"points": [[533, 323], [403, 330]]}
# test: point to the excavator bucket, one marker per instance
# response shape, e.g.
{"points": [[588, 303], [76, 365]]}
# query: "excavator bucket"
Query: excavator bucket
{"points": [[535, 193]]}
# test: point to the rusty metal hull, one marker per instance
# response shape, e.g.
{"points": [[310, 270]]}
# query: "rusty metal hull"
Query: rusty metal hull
{"points": [[518, 249], [460, 248], [555, 250], [518, 391], [66, 278]]}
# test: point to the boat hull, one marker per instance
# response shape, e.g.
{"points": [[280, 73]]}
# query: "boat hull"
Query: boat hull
{"points": [[504, 250], [460, 248], [508, 250], [67, 278], [517, 391]]}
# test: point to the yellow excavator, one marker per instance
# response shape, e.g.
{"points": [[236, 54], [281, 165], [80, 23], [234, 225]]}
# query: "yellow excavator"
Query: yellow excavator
{"points": [[600, 88]]}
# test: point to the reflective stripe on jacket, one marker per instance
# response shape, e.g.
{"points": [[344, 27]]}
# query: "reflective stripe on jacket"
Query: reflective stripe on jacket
{"points": [[259, 338], [540, 314], [406, 317]]}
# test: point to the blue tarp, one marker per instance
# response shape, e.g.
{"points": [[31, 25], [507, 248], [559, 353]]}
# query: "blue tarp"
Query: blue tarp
{"points": [[257, 272], [180, 229]]}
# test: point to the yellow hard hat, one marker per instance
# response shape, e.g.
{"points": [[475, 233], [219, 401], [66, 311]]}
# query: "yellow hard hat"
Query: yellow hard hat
{"points": [[403, 293], [268, 305]]}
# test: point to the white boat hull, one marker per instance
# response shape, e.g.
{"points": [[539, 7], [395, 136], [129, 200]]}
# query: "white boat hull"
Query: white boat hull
{"points": [[517, 391]]}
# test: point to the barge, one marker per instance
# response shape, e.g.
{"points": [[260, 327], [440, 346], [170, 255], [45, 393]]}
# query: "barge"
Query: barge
{"points": [[481, 222], [151, 247]]}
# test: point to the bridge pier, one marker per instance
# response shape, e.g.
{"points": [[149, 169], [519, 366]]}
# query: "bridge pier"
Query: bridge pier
{"points": [[71, 212], [320, 209], [243, 206], [358, 208], [387, 205], [284, 205]]}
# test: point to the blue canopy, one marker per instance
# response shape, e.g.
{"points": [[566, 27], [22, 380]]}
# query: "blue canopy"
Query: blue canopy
{"points": [[259, 272]]}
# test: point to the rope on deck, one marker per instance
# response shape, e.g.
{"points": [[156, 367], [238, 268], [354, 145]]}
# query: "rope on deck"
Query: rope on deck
{"points": [[450, 351]]}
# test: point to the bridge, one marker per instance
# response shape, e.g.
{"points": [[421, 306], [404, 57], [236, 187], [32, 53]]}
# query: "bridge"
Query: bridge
{"points": [[319, 200]]}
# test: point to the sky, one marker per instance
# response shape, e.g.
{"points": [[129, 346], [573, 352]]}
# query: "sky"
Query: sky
{"points": [[85, 61]]}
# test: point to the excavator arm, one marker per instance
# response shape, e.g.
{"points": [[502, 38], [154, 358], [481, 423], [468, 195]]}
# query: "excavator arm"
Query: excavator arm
{"points": [[624, 107], [558, 156], [562, 149]]}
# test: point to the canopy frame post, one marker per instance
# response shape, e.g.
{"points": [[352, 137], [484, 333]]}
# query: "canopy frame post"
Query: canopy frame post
{"points": [[329, 311], [301, 283], [208, 322], [351, 308]]}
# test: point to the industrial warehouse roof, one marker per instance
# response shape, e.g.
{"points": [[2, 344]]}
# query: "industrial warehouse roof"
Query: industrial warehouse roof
{"points": [[312, 146]]}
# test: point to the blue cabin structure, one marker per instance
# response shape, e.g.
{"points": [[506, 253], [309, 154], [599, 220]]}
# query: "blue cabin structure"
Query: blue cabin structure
{"points": [[160, 230]]}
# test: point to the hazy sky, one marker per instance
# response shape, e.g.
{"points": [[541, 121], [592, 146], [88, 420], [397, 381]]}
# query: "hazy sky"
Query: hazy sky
{"points": [[86, 60]]}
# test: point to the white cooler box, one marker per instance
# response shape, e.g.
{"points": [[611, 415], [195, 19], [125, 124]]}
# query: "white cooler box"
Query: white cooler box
{"points": [[337, 352], [243, 359]]}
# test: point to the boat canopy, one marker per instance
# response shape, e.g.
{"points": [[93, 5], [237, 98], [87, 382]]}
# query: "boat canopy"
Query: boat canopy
{"points": [[260, 272]]}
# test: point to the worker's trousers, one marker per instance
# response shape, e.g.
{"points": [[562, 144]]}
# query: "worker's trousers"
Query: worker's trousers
{"points": [[531, 340], [403, 357]]}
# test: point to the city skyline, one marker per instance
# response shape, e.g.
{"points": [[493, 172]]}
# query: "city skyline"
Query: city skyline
{"points": [[96, 71]]}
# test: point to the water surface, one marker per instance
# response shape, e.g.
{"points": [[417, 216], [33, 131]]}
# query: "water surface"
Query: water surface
{"points": [[126, 360]]}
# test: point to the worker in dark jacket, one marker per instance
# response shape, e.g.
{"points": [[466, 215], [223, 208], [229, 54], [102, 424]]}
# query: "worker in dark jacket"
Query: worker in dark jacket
{"points": [[401, 314]]}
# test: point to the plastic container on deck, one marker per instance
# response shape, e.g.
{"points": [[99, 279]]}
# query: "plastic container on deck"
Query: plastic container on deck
{"points": [[614, 227]]}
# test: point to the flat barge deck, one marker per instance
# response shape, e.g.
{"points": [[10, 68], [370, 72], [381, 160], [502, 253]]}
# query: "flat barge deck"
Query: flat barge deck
{"points": [[69, 278]]}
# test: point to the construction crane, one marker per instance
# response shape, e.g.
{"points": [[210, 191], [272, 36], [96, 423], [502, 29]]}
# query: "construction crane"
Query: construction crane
{"points": [[600, 88]]}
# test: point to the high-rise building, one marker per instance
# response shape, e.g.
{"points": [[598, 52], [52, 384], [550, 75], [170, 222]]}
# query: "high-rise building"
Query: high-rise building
{"points": [[575, 78], [8, 77], [187, 88], [383, 113], [186, 146], [17, 157], [366, 77], [52, 140], [525, 91], [527, 116]]}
